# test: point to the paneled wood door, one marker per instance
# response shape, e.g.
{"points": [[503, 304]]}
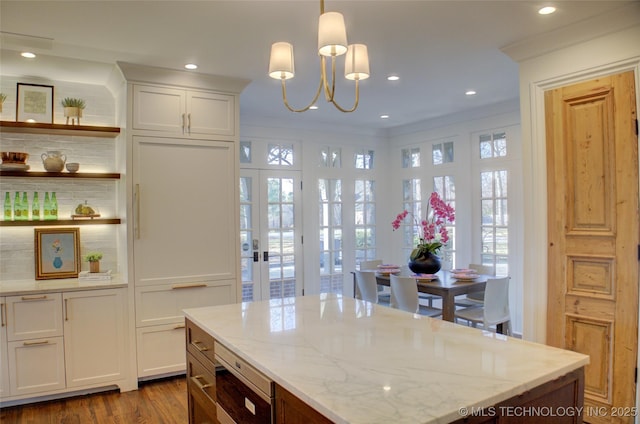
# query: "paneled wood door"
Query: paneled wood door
{"points": [[592, 173]]}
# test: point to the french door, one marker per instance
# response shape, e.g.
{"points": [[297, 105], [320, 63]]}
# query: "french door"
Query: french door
{"points": [[270, 234]]}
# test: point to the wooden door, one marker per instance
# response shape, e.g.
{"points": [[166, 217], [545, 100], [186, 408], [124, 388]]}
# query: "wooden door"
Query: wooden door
{"points": [[592, 173]]}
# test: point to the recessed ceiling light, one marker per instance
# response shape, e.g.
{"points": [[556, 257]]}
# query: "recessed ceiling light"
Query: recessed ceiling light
{"points": [[547, 10], [393, 78], [28, 55], [191, 66], [384, 116], [470, 93], [314, 107]]}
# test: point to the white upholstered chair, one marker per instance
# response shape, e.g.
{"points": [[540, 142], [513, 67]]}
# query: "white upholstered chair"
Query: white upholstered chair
{"points": [[475, 298], [495, 309], [405, 296], [383, 295], [367, 286]]}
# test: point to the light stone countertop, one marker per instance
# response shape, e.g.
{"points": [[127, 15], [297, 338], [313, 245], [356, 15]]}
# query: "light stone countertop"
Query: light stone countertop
{"points": [[30, 287], [356, 362]]}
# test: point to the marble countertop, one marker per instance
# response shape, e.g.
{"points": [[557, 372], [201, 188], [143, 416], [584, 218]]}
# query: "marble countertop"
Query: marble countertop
{"points": [[24, 287], [357, 362]]}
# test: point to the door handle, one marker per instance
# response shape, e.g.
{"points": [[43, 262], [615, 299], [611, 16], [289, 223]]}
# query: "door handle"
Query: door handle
{"points": [[265, 256], [256, 256]]}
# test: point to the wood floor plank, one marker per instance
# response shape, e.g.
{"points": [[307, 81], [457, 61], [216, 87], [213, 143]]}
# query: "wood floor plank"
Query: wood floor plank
{"points": [[160, 401]]}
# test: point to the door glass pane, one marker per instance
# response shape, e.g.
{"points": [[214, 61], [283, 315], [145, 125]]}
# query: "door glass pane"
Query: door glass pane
{"points": [[247, 235]]}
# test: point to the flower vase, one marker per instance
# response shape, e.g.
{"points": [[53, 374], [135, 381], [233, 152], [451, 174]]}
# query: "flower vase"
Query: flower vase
{"points": [[425, 264], [57, 262]]}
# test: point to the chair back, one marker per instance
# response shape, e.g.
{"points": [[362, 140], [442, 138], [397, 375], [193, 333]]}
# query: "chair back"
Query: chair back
{"points": [[483, 269], [367, 286], [404, 290], [496, 301], [370, 264]]}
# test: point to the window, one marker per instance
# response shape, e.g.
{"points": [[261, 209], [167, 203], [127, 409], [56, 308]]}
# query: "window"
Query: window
{"points": [[411, 158], [247, 234], [495, 221], [493, 145], [245, 152], [364, 159], [330, 201], [365, 220], [442, 153], [280, 154], [445, 187], [411, 202], [331, 157]]}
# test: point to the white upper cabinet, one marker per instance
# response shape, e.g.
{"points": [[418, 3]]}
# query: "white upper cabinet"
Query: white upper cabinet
{"points": [[185, 112]]}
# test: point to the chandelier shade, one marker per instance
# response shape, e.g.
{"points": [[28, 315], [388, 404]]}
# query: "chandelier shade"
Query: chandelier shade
{"points": [[332, 42]]}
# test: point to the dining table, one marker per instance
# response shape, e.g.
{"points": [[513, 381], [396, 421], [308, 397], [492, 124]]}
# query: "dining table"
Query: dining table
{"points": [[445, 285]]}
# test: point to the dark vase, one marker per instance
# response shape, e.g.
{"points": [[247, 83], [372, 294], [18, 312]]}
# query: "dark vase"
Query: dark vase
{"points": [[425, 264]]}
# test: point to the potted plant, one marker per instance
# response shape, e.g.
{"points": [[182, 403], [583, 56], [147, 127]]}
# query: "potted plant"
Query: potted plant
{"points": [[94, 261], [73, 109], [3, 97]]}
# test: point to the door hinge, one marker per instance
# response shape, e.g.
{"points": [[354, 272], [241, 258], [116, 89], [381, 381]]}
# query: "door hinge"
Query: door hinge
{"points": [[639, 252], [635, 378], [302, 242], [301, 181], [636, 127]]}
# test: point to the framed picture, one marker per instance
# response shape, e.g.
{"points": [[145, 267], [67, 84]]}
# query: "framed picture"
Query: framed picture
{"points": [[34, 103], [57, 253]]}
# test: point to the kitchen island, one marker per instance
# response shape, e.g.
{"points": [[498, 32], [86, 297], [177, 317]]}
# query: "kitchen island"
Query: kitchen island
{"points": [[356, 362]]}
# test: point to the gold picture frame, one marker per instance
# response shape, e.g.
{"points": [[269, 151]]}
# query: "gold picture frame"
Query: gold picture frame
{"points": [[57, 253], [34, 103]]}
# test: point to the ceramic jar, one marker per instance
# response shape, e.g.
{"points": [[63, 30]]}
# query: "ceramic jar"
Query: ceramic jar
{"points": [[53, 161]]}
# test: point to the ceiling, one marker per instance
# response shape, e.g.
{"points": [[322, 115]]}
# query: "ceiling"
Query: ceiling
{"points": [[440, 49]]}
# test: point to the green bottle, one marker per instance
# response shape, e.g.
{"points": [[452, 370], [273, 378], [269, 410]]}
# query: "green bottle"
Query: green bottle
{"points": [[17, 207], [24, 206], [47, 207], [8, 211], [54, 206], [35, 207]]}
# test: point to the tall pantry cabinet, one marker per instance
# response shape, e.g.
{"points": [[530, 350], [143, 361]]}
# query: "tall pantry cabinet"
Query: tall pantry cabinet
{"points": [[183, 136]]}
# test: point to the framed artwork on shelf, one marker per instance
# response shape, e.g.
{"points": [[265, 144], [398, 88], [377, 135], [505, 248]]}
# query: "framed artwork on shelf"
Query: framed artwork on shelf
{"points": [[57, 253], [34, 103]]}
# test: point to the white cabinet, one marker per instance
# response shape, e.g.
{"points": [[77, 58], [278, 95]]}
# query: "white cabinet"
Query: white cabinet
{"points": [[187, 112], [160, 349], [34, 316], [94, 337], [4, 363]]}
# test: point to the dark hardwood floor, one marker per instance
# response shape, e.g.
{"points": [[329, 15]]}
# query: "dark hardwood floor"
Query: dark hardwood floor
{"points": [[155, 402]]}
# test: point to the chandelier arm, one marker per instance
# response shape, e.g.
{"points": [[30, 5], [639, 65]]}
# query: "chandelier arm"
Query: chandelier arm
{"points": [[286, 102], [355, 104], [328, 94]]}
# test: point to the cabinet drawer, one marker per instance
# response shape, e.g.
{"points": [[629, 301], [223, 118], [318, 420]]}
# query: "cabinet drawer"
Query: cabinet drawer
{"points": [[163, 304], [37, 365], [34, 316], [201, 345], [200, 379], [161, 350]]}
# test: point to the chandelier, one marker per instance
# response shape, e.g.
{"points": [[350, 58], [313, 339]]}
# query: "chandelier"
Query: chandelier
{"points": [[332, 42]]}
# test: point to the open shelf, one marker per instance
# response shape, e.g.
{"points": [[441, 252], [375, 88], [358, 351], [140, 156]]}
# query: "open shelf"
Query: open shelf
{"points": [[58, 129], [29, 174], [57, 222]]}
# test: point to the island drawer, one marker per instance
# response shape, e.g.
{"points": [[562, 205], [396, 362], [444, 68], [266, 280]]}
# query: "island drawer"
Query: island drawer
{"points": [[200, 379], [200, 345]]}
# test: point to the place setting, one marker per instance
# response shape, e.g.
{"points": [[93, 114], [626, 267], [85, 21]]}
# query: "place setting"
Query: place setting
{"points": [[464, 274], [386, 270]]}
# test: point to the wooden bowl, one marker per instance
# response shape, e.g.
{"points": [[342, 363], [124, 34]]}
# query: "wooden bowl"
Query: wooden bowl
{"points": [[14, 157]]}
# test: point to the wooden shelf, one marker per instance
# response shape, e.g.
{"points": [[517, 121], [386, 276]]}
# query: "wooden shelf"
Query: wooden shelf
{"points": [[58, 222], [58, 129], [29, 174]]}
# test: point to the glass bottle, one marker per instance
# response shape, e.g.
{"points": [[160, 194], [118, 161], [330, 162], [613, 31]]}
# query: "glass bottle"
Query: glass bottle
{"points": [[8, 211], [54, 206], [47, 207], [35, 207], [17, 207], [24, 207]]}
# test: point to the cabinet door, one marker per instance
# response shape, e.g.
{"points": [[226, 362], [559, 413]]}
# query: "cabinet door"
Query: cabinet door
{"points": [[94, 336], [161, 350], [159, 109], [34, 316], [4, 362], [185, 211], [36, 365], [210, 113]]}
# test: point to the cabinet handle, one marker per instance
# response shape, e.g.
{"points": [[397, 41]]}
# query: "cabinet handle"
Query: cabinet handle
{"points": [[184, 123], [178, 327], [196, 380], [136, 212], [28, 298], [188, 286], [197, 344], [35, 343], [66, 310], [3, 314], [189, 123]]}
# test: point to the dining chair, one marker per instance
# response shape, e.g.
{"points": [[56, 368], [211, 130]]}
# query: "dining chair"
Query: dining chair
{"points": [[405, 297], [475, 298], [384, 295], [367, 287], [495, 309]]}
